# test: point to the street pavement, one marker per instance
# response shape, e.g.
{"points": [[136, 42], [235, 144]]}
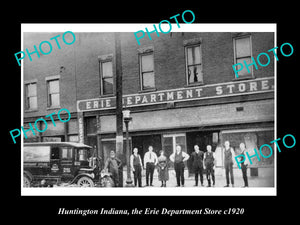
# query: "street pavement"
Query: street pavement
{"points": [[220, 181]]}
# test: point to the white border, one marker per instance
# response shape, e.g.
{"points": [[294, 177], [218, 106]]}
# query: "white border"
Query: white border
{"points": [[186, 191], [134, 27], [153, 191]]}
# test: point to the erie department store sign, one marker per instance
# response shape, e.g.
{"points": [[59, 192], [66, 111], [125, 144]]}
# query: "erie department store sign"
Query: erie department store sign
{"points": [[245, 87]]}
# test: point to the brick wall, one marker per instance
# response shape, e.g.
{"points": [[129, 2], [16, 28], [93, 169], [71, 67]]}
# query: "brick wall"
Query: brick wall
{"points": [[58, 62], [78, 64], [169, 58]]}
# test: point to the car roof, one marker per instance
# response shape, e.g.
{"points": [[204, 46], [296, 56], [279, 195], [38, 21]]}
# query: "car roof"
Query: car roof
{"points": [[71, 144]]}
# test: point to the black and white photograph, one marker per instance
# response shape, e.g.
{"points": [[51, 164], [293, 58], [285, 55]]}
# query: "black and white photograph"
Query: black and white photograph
{"points": [[183, 110], [132, 114]]}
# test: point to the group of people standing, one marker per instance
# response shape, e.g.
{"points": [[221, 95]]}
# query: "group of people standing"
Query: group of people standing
{"points": [[200, 161], [150, 161]]}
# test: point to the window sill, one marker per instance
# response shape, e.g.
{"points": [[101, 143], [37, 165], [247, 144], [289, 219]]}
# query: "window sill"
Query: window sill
{"points": [[147, 90], [194, 84], [243, 78], [53, 107], [107, 96], [31, 110]]}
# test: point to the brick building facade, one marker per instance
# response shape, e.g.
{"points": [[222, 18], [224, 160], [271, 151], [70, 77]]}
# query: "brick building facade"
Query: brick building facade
{"points": [[180, 88]]}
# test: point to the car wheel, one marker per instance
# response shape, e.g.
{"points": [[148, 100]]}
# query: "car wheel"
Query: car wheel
{"points": [[26, 181], [85, 182]]}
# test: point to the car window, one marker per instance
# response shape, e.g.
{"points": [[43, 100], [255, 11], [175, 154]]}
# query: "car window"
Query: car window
{"points": [[82, 154], [36, 153], [55, 153], [66, 153]]}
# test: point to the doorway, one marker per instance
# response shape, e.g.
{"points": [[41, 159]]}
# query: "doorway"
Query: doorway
{"points": [[170, 141], [91, 140], [144, 141], [202, 139]]}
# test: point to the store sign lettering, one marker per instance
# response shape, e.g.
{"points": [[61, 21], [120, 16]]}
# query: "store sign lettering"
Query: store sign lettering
{"points": [[80, 128], [183, 94]]}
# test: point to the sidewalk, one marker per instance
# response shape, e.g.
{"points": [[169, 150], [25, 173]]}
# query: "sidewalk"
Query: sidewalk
{"points": [[220, 181]]}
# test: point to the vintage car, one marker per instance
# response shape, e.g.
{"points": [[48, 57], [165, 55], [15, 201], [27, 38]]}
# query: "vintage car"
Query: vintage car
{"points": [[52, 163]]}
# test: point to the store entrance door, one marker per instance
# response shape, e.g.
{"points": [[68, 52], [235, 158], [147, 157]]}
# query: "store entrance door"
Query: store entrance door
{"points": [[170, 141], [91, 140]]}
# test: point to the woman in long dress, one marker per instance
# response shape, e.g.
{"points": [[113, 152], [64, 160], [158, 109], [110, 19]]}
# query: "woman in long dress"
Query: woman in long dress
{"points": [[162, 166]]}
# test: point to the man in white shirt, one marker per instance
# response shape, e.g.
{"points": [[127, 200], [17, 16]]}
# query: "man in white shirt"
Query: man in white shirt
{"points": [[150, 161], [209, 164], [178, 158]]}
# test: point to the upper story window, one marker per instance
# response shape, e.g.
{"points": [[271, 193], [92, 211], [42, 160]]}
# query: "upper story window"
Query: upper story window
{"points": [[106, 74], [242, 54], [193, 59], [147, 71], [31, 96], [53, 93]]}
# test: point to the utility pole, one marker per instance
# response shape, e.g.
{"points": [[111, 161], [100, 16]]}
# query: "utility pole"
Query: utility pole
{"points": [[119, 106]]}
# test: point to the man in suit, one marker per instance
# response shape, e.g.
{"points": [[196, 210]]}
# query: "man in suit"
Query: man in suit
{"points": [[228, 163], [197, 164], [243, 165]]}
